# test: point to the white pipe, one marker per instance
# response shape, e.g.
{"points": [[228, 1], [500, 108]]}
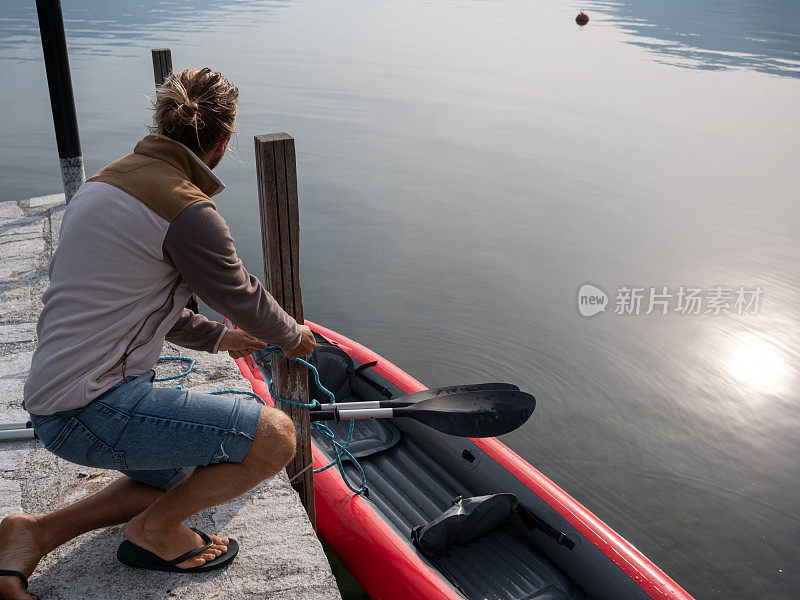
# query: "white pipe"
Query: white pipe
{"points": [[4, 426], [351, 405], [17, 434], [366, 413]]}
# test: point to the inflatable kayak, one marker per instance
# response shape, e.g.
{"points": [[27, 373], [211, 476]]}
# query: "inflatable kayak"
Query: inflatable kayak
{"points": [[450, 518]]}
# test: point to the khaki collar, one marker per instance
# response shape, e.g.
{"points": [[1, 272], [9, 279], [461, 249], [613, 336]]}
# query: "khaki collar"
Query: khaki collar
{"points": [[179, 156]]}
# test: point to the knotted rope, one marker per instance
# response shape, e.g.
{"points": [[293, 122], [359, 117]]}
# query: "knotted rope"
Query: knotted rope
{"points": [[340, 449]]}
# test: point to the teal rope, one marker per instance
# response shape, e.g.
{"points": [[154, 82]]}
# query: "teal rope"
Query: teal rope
{"points": [[184, 359], [340, 448]]}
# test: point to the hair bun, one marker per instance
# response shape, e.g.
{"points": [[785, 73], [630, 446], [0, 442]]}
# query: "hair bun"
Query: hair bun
{"points": [[188, 110], [196, 107]]}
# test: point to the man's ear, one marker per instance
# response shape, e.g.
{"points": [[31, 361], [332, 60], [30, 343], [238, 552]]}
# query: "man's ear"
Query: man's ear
{"points": [[220, 149]]}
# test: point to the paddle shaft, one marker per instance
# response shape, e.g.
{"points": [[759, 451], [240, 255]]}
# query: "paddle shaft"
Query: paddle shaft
{"points": [[366, 405], [359, 413]]}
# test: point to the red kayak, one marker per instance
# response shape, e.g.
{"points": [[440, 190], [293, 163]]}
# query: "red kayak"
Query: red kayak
{"points": [[451, 518]]}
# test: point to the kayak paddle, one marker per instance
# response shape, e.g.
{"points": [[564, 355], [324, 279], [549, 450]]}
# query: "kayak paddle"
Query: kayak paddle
{"points": [[487, 413]]}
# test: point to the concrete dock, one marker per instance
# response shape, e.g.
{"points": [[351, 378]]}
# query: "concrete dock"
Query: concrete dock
{"points": [[280, 557]]}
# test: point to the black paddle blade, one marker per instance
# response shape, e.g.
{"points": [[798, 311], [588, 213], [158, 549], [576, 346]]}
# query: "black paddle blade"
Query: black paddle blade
{"points": [[473, 414]]}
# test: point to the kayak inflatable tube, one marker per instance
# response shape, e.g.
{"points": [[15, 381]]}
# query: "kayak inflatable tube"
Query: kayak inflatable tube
{"points": [[550, 548]]}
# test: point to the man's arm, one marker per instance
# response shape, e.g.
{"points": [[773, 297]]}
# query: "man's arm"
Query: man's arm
{"points": [[196, 332], [199, 244]]}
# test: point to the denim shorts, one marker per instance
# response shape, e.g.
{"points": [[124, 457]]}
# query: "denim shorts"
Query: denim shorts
{"points": [[153, 435]]}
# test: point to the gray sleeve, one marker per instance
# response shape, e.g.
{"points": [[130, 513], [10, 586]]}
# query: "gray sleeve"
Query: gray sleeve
{"points": [[196, 332], [199, 244]]}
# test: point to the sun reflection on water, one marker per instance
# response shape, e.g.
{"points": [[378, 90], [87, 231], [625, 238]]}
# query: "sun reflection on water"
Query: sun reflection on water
{"points": [[758, 361]]}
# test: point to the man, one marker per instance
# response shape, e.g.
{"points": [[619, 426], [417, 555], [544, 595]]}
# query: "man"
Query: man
{"points": [[136, 240]]}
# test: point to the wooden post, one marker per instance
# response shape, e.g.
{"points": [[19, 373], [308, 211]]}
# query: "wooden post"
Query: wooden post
{"points": [[280, 237], [162, 64]]}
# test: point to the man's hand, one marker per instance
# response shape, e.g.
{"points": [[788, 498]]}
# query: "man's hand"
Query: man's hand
{"points": [[239, 344], [306, 345]]}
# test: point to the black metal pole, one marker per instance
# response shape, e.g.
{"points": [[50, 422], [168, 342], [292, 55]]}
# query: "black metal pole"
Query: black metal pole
{"points": [[62, 101]]}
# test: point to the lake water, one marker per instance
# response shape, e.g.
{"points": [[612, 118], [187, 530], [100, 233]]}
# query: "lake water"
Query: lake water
{"points": [[465, 167]]}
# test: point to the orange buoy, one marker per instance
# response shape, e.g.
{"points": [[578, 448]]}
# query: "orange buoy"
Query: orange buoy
{"points": [[582, 18]]}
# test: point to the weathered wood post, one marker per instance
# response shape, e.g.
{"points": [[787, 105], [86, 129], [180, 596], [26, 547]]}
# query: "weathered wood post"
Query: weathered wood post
{"points": [[62, 100], [280, 237], [162, 64]]}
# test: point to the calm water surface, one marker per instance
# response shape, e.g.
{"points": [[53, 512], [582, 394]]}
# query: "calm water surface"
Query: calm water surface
{"points": [[464, 168]]}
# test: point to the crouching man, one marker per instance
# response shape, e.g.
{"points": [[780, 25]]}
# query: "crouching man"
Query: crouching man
{"points": [[136, 240]]}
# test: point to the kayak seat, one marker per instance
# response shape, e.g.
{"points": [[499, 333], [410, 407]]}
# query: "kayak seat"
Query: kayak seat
{"points": [[476, 544], [370, 436], [337, 372]]}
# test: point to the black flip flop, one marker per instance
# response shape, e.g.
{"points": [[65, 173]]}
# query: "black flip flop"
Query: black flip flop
{"points": [[9, 573], [132, 555]]}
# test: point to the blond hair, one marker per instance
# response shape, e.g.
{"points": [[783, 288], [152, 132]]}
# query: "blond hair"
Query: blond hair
{"points": [[196, 107]]}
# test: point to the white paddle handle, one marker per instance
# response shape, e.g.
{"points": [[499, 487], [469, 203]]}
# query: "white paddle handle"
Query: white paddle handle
{"points": [[366, 413], [346, 415], [351, 405]]}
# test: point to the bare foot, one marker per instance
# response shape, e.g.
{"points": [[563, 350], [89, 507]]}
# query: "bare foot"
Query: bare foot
{"points": [[21, 545], [171, 542]]}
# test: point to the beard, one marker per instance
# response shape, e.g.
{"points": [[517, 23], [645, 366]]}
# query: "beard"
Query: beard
{"points": [[215, 161]]}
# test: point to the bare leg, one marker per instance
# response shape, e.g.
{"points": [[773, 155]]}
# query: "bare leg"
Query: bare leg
{"points": [[160, 527], [25, 539]]}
